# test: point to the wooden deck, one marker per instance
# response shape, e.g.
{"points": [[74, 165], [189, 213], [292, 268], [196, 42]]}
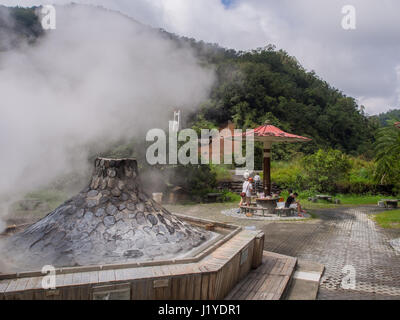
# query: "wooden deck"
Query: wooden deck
{"points": [[268, 282], [209, 278]]}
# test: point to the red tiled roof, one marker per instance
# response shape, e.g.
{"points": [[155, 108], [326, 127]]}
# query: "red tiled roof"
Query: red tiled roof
{"points": [[272, 131], [275, 133], [397, 124]]}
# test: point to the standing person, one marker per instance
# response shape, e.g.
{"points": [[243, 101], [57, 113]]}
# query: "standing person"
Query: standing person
{"points": [[292, 203], [247, 188], [257, 181], [251, 185]]}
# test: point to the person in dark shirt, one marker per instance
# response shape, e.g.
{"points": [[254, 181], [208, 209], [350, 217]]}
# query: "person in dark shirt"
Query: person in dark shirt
{"points": [[290, 200], [292, 203]]}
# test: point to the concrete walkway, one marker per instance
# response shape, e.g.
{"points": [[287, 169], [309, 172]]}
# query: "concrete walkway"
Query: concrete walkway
{"points": [[345, 241], [338, 238]]}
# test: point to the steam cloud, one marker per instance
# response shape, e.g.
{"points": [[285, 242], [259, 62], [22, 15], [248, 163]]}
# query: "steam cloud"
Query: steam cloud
{"points": [[98, 77]]}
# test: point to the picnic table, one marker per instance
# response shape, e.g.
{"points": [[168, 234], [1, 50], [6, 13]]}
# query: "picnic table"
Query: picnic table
{"points": [[268, 204], [390, 203], [253, 209], [288, 212], [324, 197]]}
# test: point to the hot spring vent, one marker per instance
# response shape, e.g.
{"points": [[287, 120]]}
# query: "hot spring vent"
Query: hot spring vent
{"points": [[110, 221]]}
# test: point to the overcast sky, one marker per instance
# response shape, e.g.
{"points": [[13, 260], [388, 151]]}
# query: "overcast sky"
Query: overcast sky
{"points": [[363, 63]]}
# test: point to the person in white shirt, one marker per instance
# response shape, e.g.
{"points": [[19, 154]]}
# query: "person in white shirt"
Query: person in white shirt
{"points": [[247, 188], [257, 182]]}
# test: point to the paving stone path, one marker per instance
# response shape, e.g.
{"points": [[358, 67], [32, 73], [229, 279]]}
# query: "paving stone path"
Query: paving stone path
{"points": [[343, 237], [235, 213], [338, 238]]}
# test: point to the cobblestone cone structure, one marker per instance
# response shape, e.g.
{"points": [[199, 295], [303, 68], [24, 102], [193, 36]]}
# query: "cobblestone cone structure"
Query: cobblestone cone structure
{"points": [[110, 221]]}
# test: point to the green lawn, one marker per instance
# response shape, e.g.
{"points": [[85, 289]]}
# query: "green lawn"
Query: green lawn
{"points": [[346, 200], [52, 197], [388, 219], [49, 199]]}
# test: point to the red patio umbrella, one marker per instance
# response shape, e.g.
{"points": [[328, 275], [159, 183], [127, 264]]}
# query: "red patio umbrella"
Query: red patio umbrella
{"points": [[269, 134]]}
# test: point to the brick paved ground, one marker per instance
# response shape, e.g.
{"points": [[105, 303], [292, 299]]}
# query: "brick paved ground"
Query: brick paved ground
{"points": [[343, 237], [339, 237]]}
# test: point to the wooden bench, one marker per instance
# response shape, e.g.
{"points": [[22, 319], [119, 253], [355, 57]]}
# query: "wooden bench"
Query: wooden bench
{"points": [[253, 209], [270, 281], [324, 197], [214, 197], [289, 212]]}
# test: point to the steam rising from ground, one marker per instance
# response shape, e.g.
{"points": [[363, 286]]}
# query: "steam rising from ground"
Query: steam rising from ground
{"points": [[98, 77]]}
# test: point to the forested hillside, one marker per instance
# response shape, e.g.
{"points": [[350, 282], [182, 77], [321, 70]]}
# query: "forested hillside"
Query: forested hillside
{"points": [[258, 85], [390, 115]]}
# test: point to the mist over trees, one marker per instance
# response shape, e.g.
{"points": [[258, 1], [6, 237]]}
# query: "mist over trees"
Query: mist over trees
{"points": [[18, 25], [265, 83]]}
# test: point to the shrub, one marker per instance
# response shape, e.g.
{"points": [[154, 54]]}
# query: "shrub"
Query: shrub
{"points": [[197, 179], [221, 172], [288, 175], [325, 169], [359, 178], [228, 196], [387, 150]]}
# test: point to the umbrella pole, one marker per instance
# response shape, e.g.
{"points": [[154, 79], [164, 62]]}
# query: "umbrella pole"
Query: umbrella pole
{"points": [[267, 168]]}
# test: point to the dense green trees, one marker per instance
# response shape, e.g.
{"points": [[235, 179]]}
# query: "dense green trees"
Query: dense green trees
{"points": [[256, 85], [383, 118]]}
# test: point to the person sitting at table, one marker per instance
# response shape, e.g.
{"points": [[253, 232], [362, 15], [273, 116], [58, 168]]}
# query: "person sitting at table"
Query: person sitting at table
{"points": [[292, 203]]}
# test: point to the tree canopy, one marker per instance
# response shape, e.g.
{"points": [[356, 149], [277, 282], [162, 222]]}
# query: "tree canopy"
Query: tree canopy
{"points": [[264, 83]]}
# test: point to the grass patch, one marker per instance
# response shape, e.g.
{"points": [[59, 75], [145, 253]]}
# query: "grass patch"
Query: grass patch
{"points": [[39, 203], [345, 199], [361, 199], [52, 197], [231, 197], [388, 219]]}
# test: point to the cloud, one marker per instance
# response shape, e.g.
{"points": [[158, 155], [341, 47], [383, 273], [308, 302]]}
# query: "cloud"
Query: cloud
{"points": [[97, 77], [359, 62]]}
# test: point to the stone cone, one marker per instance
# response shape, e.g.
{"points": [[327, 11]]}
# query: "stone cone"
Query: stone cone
{"points": [[110, 221]]}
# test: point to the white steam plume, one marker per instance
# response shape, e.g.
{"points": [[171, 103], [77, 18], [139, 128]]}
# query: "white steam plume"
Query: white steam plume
{"points": [[98, 77]]}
